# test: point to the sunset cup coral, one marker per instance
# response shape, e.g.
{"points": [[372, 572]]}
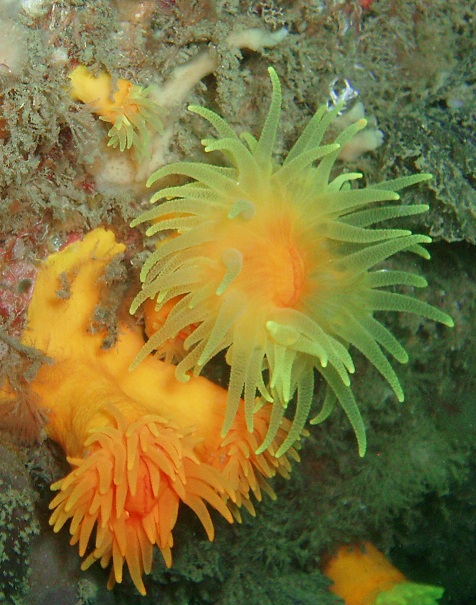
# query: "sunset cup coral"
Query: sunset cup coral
{"points": [[273, 263], [139, 443], [362, 575], [134, 115]]}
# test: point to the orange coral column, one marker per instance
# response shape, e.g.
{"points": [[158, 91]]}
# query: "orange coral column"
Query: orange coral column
{"points": [[139, 443]]}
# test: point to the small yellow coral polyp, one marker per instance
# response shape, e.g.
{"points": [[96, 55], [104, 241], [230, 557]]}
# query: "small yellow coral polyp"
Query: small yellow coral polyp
{"points": [[273, 264], [139, 443], [362, 575], [127, 106]]}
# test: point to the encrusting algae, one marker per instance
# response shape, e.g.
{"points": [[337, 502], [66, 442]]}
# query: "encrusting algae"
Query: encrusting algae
{"points": [[139, 443], [280, 266]]}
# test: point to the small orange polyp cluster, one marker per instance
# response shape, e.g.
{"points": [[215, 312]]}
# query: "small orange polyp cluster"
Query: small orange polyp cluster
{"points": [[140, 443], [134, 115]]}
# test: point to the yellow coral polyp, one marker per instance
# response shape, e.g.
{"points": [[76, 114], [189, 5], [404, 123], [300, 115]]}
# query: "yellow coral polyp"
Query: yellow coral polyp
{"points": [[140, 443], [280, 265], [128, 107]]}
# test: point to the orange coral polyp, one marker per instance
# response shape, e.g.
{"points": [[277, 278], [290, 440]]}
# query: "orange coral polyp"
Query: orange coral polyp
{"points": [[140, 443], [130, 488]]}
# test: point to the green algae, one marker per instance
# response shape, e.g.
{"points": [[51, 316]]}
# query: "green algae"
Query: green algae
{"points": [[18, 523]]}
